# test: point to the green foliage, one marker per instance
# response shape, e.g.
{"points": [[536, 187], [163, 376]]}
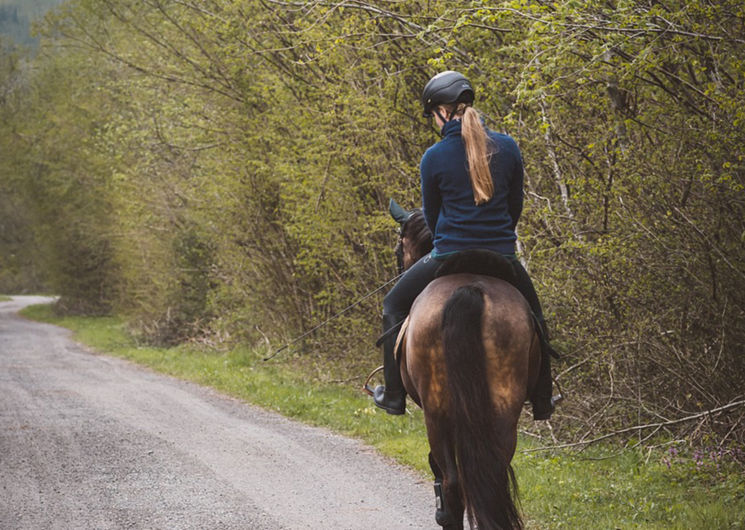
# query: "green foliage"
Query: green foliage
{"points": [[220, 171], [19, 271], [639, 135], [59, 181]]}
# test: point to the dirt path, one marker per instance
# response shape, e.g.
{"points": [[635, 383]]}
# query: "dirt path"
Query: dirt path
{"points": [[88, 441]]}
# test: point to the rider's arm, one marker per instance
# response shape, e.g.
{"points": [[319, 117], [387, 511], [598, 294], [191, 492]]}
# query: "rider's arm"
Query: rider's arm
{"points": [[431, 199], [515, 198]]}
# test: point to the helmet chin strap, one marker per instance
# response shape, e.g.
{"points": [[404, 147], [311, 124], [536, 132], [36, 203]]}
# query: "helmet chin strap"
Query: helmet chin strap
{"points": [[442, 118]]}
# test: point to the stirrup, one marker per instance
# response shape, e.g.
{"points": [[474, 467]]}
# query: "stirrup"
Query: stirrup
{"points": [[366, 388]]}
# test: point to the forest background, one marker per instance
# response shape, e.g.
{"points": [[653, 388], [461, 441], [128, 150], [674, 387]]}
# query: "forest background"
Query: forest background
{"points": [[218, 171]]}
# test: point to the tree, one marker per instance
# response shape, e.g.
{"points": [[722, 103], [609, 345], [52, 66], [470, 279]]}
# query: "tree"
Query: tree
{"points": [[223, 172]]}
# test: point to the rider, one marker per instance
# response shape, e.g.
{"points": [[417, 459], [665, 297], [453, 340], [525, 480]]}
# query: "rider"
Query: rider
{"points": [[472, 197]]}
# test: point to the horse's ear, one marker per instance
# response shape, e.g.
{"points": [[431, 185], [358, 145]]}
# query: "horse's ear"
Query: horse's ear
{"points": [[398, 213]]}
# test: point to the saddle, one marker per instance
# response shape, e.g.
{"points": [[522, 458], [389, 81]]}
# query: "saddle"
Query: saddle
{"points": [[483, 262]]}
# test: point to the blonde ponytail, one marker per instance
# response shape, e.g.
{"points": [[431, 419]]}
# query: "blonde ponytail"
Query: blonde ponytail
{"points": [[478, 154], [479, 149]]}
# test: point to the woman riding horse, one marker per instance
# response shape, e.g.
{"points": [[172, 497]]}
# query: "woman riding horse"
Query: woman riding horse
{"points": [[472, 197]]}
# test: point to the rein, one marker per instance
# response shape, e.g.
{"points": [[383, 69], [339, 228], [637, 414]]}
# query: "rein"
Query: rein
{"points": [[350, 306]]}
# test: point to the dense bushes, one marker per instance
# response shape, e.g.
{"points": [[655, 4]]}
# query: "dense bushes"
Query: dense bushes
{"points": [[220, 170]]}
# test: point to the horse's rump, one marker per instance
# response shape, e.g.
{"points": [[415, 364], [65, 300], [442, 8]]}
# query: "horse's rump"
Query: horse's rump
{"points": [[508, 331]]}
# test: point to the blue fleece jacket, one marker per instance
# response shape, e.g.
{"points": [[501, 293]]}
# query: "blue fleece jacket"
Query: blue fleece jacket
{"points": [[447, 196]]}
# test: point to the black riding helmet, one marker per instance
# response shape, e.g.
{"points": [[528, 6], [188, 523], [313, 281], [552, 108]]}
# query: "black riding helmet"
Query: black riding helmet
{"points": [[446, 87]]}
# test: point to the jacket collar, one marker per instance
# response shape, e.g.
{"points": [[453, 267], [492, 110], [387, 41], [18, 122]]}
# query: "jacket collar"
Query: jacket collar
{"points": [[451, 128]]}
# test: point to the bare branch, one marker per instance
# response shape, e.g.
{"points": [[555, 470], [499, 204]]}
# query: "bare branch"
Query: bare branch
{"points": [[639, 428]]}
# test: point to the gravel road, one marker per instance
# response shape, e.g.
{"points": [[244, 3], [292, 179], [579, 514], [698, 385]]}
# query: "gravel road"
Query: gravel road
{"points": [[88, 441]]}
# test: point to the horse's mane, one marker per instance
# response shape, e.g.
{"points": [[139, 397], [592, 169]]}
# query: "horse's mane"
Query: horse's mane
{"points": [[416, 229]]}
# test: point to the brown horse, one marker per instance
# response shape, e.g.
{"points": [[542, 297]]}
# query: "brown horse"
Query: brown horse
{"points": [[469, 354]]}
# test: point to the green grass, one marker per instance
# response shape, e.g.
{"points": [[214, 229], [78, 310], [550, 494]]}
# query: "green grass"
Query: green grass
{"points": [[606, 488], [600, 488], [5, 298]]}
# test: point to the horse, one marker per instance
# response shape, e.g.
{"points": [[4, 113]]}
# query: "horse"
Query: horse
{"points": [[469, 355]]}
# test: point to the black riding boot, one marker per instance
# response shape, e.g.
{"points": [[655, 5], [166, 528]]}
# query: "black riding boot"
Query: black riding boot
{"points": [[542, 397], [392, 396]]}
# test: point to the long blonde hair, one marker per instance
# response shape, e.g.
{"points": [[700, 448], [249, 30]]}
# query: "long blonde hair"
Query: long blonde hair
{"points": [[479, 150]]}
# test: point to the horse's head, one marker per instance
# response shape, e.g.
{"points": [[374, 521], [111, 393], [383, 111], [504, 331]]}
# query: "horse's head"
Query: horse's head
{"points": [[415, 237]]}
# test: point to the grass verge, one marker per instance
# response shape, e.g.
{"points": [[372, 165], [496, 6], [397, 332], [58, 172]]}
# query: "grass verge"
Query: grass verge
{"points": [[599, 488]]}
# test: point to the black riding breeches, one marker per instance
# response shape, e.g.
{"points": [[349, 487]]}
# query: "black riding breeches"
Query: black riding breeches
{"points": [[400, 298]]}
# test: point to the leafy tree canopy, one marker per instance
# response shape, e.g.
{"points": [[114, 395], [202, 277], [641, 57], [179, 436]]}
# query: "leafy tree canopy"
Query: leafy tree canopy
{"points": [[219, 170]]}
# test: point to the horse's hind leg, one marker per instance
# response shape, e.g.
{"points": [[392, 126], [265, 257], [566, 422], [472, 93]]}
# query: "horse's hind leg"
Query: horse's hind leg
{"points": [[449, 512]]}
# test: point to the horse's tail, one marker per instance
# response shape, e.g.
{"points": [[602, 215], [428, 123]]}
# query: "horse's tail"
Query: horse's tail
{"points": [[489, 492]]}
